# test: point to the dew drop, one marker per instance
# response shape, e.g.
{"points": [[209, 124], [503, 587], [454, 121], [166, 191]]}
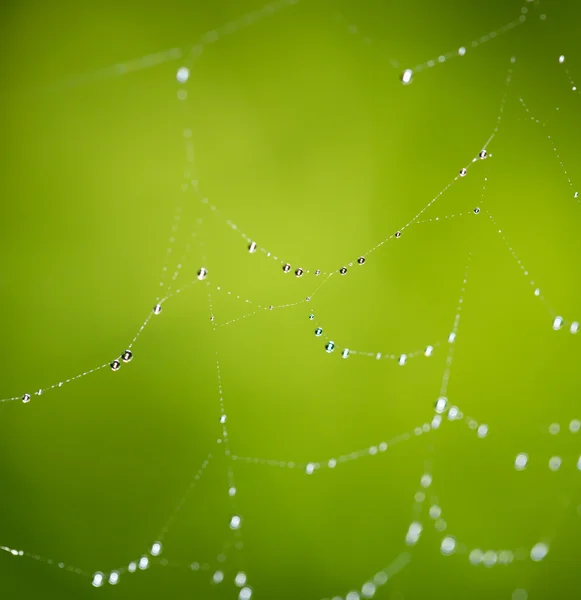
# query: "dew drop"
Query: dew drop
{"points": [[202, 273], [561, 59], [26, 398], [252, 247], [343, 270], [429, 351], [98, 579], [156, 548], [441, 404], [483, 154], [127, 356], [240, 578], [183, 74], [115, 365], [299, 272], [398, 234], [558, 323], [143, 563], [361, 260], [448, 546], [463, 172], [539, 551], [235, 522], [574, 327], [406, 76], [157, 309], [402, 360], [575, 426], [286, 268], [476, 210], [461, 51], [345, 353], [318, 331], [114, 578], [521, 461], [330, 347], [555, 463]]}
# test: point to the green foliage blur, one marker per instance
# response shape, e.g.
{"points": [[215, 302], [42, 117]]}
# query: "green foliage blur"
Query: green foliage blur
{"points": [[306, 139]]}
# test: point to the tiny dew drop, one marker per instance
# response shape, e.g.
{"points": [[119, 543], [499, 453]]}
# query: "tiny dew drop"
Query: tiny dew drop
{"points": [[252, 247], [202, 273], [463, 172], [311, 317], [299, 272], [318, 331], [576, 195], [26, 398], [343, 270], [406, 76], [127, 356], [361, 260], [286, 268], [557, 323], [398, 234], [157, 309], [476, 210], [345, 353], [115, 365], [330, 347]]}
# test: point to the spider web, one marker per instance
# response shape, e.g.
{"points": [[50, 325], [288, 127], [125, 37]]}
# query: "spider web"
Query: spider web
{"points": [[292, 310]]}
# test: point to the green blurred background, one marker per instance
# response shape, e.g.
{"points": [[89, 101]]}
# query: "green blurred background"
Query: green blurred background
{"points": [[306, 139]]}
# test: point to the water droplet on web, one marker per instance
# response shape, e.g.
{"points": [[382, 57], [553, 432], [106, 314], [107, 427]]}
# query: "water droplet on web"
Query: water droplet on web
{"points": [[461, 51], [218, 577], [343, 270], [575, 426], [554, 428], [330, 347], [402, 360], [286, 268], [26, 398], [202, 273], [156, 548], [311, 317], [476, 210], [561, 59], [406, 76], [576, 195], [157, 309], [441, 404], [539, 551], [183, 74], [98, 579], [240, 579], [114, 578], [252, 247], [426, 480], [245, 594], [398, 234], [482, 431], [429, 351], [520, 594], [368, 590], [483, 154], [299, 272], [143, 563], [463, 172], [448, 546], [115, 365], [232, 491], [537, 292], [557, 323], [345, 353], [361, 260], [127, 356], [318, 331], [555, 463], [521, 461], [132, 567], [235, 522], [223, 419]]}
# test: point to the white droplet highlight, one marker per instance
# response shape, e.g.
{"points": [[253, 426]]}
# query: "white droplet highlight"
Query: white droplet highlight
{"points": [[539, 551], [98, 579], [448, 546], [183, 74], [156, 549], [521, 461], [406, 76], [558, 323], [235, 522]]}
